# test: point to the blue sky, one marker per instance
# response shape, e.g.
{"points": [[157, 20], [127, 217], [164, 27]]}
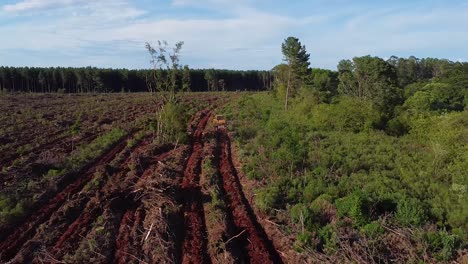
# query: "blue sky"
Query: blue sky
{"points": [[232, 34]]}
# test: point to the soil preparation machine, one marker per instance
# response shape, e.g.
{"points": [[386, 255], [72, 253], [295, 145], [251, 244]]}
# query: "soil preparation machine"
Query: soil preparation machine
{"points": [[219, 122]]}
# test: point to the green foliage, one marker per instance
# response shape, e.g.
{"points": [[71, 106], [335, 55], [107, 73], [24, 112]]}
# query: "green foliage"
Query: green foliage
{"points": [[301, 214], [329, 238], [373, 229], [216, 201], [268, 198], [172, 121], [410, 211], [303, 241], [52, 173], [296, 56], [76, 127], [314, 188], [297, 60], [366, 154], [370, 78], [442, 244], [325, 82], [349, 114], [355, 206], [86, 153], [10, 210]]}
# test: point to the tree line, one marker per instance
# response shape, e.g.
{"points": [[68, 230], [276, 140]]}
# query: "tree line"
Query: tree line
{"points": [[91, 79], [387, 83]]}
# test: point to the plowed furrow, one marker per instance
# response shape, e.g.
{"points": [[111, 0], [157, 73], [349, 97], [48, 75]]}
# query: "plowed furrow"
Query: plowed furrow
{"points": [[194, 247], [7, 160], [122, 242], [108, 193], [259, 248], [76, 230], [61, 143], [13, 242]]}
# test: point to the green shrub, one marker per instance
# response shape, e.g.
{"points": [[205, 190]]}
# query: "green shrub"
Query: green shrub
{"points": [[329, 239], [314, 188], [303, 241], [268, 198], [301, 214], [336, 148], [373, 230], [397, 127], [52, 173], [410, 212], [174, 119], [76, 127], [442, 244], [10, 210], [350, 115], [355, 206]]}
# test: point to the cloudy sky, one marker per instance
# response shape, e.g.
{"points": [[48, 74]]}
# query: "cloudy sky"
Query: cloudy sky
{"points": [[232, 34]]}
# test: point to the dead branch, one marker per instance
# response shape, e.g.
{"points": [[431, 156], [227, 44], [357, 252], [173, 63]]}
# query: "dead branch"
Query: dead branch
{"points": [[229, 240], [147, 235]]}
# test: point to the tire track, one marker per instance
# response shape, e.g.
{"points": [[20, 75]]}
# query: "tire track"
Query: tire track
{"points": [[194, 246], [259, 249]]}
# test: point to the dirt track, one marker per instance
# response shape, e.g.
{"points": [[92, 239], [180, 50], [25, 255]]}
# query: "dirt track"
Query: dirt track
{"points": [[194, 246], [258, 248], [147, 209]]}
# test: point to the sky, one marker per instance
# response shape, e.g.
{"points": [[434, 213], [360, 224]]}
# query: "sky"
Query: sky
{"points": [[229, 34]]}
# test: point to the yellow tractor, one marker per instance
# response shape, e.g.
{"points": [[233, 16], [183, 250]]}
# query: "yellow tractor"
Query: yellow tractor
{"points": [[219, 122]]}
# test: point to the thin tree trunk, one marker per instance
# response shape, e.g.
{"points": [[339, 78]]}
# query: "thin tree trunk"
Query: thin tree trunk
{"points": [[287, 89]]}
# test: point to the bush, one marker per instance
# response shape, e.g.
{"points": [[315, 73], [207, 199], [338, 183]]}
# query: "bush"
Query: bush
{"points": [[10, 210], [173, 120], [410, 212], [373, 230], [314, 188], [329, 239], [268, 198], [355, 206], [301, 214], [349, 114], [303, 241], [442, 244], [321, 203]]}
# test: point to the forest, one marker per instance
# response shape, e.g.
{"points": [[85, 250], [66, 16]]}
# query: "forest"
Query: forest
{"points": [[90, 79]]}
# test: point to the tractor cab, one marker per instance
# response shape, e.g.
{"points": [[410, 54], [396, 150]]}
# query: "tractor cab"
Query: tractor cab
{"points": [[219, 121]]}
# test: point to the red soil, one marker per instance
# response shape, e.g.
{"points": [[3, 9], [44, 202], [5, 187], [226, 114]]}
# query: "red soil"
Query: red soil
{"points": [[259, 247], [194, 245], [76, 229], [123, 237]]}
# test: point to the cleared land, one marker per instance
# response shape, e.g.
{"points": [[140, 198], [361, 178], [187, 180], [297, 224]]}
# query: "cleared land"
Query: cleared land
{"points": [[84, 180]]}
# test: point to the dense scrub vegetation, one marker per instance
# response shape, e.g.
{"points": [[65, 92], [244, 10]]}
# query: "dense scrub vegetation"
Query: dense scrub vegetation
{"points": [[82, 80], [379, 148]]}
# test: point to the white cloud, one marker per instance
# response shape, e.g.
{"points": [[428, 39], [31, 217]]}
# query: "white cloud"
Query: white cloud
{"points": [[244, 38], [27, 5], [209, 3]]}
